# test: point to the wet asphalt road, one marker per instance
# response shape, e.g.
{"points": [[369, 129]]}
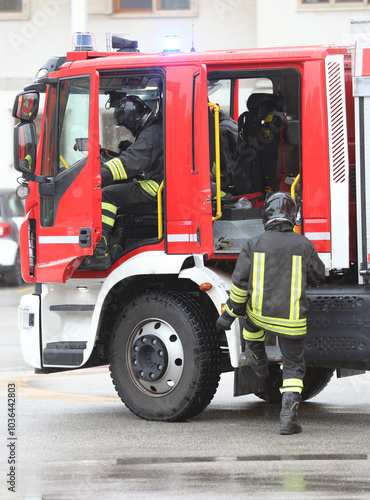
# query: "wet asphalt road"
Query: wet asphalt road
{"points": [[75, 439]]}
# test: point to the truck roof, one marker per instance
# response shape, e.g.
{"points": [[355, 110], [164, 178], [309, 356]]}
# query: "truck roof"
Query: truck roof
{"points": [[234, 56]]}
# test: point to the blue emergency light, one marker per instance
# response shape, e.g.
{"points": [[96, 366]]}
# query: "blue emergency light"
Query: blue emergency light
{"points": [[172, 43], [84, 41]]}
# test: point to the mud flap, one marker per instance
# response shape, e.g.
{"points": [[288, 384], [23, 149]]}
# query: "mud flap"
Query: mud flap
{"points": [[247, 382]]}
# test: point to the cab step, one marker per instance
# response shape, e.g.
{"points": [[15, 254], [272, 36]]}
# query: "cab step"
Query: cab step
{"points": [[72, 307], [68, 353]]}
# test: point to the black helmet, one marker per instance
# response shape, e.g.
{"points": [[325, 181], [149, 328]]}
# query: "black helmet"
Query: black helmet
{"points": [[279, 207], [132, 113]]}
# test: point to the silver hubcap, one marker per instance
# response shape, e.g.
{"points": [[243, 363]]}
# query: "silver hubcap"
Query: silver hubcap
{"points": [[155, 357]]}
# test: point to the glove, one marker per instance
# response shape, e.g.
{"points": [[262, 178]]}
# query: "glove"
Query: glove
{"points": [[222, 243], [123, 145], [107, 154], [224, 322]]}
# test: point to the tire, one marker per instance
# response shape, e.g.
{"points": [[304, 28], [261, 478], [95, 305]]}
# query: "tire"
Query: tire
{"points": [[165, 360], [315, 380], [14, 276]]}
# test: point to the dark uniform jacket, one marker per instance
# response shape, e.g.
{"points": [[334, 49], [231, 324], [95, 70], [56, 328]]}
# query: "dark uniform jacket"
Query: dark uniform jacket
{"points": [[142, 160], [269, 281], [228, 141]]}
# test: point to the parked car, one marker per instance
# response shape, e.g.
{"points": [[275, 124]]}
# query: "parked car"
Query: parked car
{"points": [[11, 217]]}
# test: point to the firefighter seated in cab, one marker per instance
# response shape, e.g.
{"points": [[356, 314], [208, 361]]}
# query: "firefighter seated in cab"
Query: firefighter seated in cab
{"points": [[133, 177], [268, 291]]}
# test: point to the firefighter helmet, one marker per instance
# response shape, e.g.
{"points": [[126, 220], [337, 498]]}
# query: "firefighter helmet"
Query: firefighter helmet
{"points": [[279, 207], [132, 113]]}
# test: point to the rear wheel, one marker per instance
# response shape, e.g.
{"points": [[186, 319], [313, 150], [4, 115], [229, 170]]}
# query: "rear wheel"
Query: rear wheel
{"points": [[165, 357], [315, 380]]}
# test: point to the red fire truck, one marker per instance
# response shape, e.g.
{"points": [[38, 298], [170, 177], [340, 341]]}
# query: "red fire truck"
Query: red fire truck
{"points": [[301, 115]]}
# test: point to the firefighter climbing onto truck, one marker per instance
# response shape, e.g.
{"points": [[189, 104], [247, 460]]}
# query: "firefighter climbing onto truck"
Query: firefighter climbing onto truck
{"points": [[141, 164], [268, 291], [150, 312]]}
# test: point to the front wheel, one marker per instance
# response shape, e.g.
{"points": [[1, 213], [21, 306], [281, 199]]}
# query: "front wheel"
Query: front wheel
{"points": [[164, 357]]}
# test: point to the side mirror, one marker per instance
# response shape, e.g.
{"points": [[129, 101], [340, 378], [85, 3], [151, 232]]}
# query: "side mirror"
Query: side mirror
{"points": [[25, 144], [26, 106]]}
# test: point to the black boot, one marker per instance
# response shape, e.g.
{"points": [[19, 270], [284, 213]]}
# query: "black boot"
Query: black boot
{"points": [[257, 359], [117, 244], [99, 260], [289, 413]]}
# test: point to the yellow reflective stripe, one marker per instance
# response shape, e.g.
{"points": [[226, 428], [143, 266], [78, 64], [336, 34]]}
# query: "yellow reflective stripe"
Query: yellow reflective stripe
{"points": [[117, 169], [231, 312], [295, 287], [278, 321], [292, 385], [238, 295], [254, 336], [108, 220], [258, 279], [150, 187], [109, 207], [279, 325], [112, 167]]}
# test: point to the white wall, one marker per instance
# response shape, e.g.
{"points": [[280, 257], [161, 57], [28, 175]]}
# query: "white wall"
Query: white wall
{"points": [[286, 25]]}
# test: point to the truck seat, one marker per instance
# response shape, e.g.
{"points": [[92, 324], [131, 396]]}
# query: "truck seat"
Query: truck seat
{"points": [[255, 169]]}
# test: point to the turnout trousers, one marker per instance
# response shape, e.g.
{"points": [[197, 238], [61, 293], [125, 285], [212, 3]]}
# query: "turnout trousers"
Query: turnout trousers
{"points": [[292, 350], [116, 196]]}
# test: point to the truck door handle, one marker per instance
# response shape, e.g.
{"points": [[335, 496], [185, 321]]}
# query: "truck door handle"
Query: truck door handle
{"points": [[84, 238]]}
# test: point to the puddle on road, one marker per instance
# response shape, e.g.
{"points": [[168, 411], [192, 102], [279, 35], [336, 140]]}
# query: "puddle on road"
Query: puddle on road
{"points": [[249, 458]]}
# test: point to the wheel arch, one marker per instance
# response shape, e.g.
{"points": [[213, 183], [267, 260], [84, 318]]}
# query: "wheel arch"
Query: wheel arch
{"points": [[183, 273]]}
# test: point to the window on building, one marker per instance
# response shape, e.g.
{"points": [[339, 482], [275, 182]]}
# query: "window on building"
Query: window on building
{"points": [[13, 9], [333, 3], [153, 6], [11, 5]]}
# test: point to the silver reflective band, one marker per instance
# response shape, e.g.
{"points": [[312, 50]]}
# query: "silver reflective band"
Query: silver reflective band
{"points": [[317, 236], [58, 239], [177, 238]]}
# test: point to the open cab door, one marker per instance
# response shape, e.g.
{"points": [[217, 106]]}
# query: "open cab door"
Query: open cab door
{"points": [[63, 210]]}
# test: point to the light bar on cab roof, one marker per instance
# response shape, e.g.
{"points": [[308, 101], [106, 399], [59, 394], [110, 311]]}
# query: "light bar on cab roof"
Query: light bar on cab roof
{"points": [[172, 43], [84, 41]]}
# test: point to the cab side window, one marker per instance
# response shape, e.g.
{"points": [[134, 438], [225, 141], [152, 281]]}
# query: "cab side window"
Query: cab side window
{"points": [[74, 105]]}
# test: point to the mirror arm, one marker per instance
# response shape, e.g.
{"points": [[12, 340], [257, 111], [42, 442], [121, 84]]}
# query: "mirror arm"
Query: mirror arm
{"points": [[40, 85], [28, 176]]}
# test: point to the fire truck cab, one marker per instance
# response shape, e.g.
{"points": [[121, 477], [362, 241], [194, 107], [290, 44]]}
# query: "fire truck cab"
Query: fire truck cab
{"points": [[152, 316]]}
